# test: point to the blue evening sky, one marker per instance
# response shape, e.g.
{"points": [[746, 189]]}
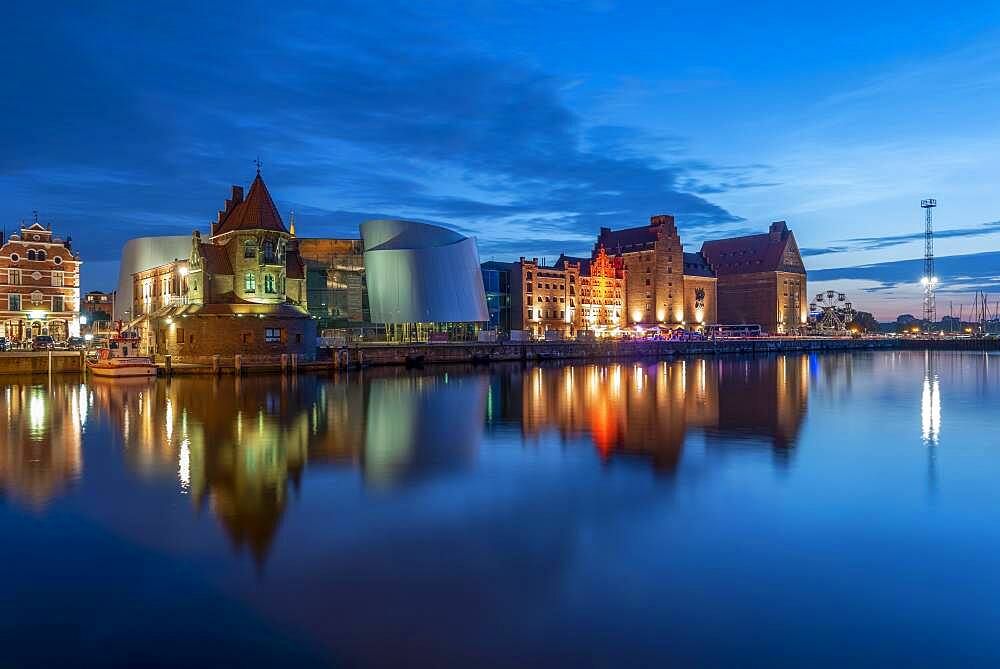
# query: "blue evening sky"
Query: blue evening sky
{"points": [[527, 124]]}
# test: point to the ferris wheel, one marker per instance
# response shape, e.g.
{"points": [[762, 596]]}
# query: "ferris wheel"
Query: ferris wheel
{"points": [[831, 312]]}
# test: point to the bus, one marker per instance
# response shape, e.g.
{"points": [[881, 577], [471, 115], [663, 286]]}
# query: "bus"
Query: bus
{"points": [[732, 331]]}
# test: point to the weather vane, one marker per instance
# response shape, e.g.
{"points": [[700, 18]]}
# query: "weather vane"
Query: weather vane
{"points": [[258, 164]]}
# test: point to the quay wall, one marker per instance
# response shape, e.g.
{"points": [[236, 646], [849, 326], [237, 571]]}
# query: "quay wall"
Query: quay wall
{"points": [[476, 352], [37, 362]]}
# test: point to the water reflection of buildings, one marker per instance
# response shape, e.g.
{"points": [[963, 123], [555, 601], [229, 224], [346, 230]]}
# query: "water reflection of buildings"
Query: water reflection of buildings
{"points": [[40, 452], [240, 447], [647, 409]]}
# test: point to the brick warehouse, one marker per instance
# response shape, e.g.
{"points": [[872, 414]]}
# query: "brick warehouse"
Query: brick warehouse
{"points": [[665, 285], [39, 285], [761, 279]]}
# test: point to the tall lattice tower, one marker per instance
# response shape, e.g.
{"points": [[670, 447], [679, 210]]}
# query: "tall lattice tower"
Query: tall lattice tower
{"points": [[929, 279]]}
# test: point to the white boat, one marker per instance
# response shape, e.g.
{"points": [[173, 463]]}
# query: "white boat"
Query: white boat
{"points": [[122, 358]]}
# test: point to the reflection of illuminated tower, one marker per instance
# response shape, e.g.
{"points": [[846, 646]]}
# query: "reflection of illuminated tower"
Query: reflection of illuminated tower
{"points": [[930, 404], [929, 279]]}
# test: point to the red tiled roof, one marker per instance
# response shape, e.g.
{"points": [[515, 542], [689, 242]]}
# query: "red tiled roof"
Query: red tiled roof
{"points": [[256, 212], [216, 259], [629, 239], [294, 267], [754, 253]]}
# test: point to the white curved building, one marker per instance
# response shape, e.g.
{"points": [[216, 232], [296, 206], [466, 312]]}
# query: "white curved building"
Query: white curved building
{"points": [[420, 273], [144, 253]]}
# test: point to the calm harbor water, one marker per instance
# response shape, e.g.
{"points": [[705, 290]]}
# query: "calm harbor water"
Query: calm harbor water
{"points": [[814, 510]]}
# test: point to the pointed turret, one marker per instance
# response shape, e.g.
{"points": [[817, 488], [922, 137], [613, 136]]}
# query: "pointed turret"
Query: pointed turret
{"points": [[255, 212]]}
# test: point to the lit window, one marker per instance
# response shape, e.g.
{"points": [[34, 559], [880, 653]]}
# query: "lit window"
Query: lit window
{"points": [[250, 283], [57, 278], [272, 335], [268, 283], [14, 302]]}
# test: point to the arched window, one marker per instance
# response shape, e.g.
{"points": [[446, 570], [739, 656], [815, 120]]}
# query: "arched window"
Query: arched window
{"points": [[268, 248], [41, 255], [31, 254]]}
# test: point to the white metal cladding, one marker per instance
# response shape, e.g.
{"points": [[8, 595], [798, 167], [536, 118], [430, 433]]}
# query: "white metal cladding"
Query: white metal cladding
{"points": [[419, 273], [145, 253]]}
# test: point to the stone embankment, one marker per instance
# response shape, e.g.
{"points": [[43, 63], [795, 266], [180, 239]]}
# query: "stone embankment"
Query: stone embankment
{"points": [[366, 355]]}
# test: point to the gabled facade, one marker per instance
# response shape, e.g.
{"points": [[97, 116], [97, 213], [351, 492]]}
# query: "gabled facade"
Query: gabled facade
{"points": [[39, 285], [761, 280], [249, 256], [242, 290], [665, 285]]}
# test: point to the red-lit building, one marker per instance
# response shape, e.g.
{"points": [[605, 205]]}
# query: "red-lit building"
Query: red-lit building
{"points": [[39, 285]]}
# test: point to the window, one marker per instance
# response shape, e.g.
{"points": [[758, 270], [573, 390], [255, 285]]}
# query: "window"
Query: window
{"points": [[57, 260], [14, 257], [41, 255], [57, 278], [250, 249], [13, 276], [298, 338], [268, 283], [180, 335], [247, 338], [530, 311], [31, 254], [250, 283], [14, 302], [272, 335], [268, 248], [57, 303]]}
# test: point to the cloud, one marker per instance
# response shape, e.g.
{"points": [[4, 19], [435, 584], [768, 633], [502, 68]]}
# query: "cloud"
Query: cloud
{"points": [[123, 123], [958, 274]]}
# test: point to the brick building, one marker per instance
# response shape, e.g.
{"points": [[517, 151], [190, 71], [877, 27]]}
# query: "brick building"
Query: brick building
{"points": [[602, 293], [761, 279], [543, 298], [665, 285], [98, 302], [39, 285], [242, 290]]}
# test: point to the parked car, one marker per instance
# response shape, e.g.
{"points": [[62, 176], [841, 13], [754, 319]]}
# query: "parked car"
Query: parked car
{"points": [[43, 343], [4, 344], [76, 344]]}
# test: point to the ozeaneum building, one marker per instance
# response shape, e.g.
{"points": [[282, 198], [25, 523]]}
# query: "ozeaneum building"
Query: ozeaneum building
{"points": [[39, 285], [422, 279], [240, 290]]}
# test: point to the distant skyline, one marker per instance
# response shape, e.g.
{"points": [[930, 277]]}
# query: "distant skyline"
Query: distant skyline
{"points": [[529, 125]]}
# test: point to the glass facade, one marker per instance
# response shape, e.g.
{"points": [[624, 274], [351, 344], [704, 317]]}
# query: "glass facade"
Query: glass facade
{"points": [[496, 283], [337, 293]]}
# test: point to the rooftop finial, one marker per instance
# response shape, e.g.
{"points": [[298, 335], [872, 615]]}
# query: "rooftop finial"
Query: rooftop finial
{"points": [[34, 216], [291, 222], [258, 164]]}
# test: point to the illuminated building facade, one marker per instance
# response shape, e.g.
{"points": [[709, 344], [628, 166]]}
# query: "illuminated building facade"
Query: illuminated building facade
{"points": [[39, 285], [602, 294], [656, 265], [242, 290], [761, 279], [496, 283], [336, 286], [98, 305], [544, 298]]}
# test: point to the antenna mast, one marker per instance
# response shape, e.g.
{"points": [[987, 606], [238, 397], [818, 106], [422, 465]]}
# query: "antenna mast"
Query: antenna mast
{"points": [[929, 279]]}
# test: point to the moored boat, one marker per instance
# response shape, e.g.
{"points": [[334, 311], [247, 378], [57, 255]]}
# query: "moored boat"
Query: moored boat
{"points": [[122, 358]]}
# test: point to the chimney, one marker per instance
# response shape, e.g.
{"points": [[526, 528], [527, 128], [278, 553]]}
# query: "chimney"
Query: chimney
{"points": [[661, 219]]}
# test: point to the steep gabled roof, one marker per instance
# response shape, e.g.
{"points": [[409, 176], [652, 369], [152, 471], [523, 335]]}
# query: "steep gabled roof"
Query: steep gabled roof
{"points": [[629, 239], [755, 253], [294, 267], [695, 264], [256, 212], [564, 259], [216, 259]]}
